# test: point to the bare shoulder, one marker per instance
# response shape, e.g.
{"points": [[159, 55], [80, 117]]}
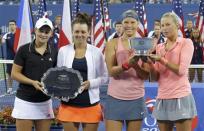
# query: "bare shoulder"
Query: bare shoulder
{"points": [[112, 44]]}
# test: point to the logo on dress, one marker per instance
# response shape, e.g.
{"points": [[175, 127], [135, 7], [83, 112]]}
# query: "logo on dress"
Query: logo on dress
{"points": [[48, 116]]}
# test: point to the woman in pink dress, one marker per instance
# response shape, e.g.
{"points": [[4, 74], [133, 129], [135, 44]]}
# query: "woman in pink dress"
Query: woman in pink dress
{"points": [[175, 104], [125, 101]]}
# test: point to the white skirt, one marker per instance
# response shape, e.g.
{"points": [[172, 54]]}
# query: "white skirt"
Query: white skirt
{"points": [[33, 111]]}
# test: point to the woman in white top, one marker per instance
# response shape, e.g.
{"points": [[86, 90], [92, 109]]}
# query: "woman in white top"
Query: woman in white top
{"points": [[85, 109]]}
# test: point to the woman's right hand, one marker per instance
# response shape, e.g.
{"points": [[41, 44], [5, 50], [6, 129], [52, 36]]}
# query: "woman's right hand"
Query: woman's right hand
{"points": [[133, 60], [155, 57], [37, 85]]}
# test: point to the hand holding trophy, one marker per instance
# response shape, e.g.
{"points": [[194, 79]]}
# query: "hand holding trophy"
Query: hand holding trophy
{"points": [[62, 82], [142, 47]]}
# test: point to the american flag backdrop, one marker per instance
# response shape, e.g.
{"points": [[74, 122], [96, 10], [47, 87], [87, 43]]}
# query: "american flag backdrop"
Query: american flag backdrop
{"points": [[42, 9], [106, 17], [200, 19], [177, 9], [75, 9], [142, 26], [98, 30], [193, 14]]}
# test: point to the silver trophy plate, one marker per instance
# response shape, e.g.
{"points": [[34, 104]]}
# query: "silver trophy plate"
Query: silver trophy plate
{"points": [[62, 82], [141, 45]]}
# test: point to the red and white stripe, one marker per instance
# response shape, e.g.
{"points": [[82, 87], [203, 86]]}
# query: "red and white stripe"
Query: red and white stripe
{"points": [[200, 26], [65, 37], [106, 19], [142, 29], [99, 37]]}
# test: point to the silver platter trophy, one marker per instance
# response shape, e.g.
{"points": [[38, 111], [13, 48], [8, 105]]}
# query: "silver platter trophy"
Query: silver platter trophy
{"points": [[62, 83], [141, 46]]}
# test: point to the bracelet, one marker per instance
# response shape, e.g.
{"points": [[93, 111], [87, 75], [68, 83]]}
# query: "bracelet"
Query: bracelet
{"points": [[125, 66], [164, 61]]}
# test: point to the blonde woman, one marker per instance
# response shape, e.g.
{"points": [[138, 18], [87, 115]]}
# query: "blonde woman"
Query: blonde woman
{"points": [[125, 100], [175, 104]]}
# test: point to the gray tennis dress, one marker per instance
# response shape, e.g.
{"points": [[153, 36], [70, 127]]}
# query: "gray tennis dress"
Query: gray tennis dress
{"points": [[175, 109]]}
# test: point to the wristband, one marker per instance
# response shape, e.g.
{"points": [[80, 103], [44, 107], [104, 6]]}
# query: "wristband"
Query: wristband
{"points": [[163, 61], [125, 66]]}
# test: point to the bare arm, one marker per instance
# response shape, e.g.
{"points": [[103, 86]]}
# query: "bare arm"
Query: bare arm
{"points": [[141, 71], [16, 74], [115, 69], [110, 58], [3, 39]]}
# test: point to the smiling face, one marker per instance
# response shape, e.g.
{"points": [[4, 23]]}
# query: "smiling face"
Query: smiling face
{"points": [[169, 26], [130, 26], [43, 34], [80, 33]]}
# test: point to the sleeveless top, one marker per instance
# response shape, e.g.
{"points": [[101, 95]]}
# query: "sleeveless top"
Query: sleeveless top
{"points": [[127, 85]]}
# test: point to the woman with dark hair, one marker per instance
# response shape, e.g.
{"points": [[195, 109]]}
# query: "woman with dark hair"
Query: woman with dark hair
{"points": [[32, 107], [85, 109], [197, 55]]}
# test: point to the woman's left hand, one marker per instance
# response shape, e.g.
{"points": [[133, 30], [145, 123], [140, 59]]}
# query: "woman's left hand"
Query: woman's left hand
{"points": [[155, 57], [85, 85], [133, 60]]}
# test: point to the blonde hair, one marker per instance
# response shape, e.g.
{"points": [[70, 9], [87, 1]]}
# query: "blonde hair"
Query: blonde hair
{"points": [[173, 16]]}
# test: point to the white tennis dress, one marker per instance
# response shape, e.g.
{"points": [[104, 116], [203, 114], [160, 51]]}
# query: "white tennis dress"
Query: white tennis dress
{"points": [[29, 110]]}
